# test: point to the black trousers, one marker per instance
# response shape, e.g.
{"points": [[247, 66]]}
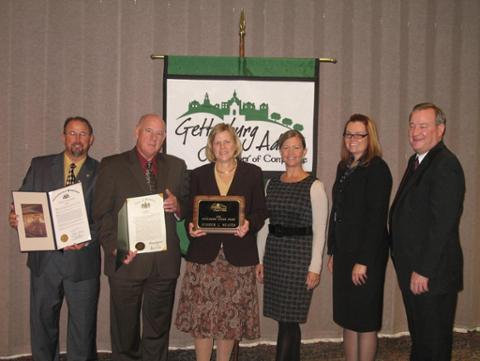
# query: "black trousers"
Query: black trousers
{"points": [[430, 322], [152, 298]]}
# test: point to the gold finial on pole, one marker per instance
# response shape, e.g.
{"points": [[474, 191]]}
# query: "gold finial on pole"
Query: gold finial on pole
{"points": [[241, 33], [328, 60]]}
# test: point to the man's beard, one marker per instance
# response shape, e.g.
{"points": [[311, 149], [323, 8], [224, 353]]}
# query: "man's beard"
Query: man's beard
{"points": [[77, 149]]}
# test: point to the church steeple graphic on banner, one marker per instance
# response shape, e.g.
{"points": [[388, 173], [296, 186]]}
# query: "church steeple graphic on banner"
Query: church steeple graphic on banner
{"points": [[240, 110]]}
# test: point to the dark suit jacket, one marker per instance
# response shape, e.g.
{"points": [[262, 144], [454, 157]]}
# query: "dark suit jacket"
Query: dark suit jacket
{"points": [[361, 206], [46, 174], [121, 177], [247, 182], [424, 222]]}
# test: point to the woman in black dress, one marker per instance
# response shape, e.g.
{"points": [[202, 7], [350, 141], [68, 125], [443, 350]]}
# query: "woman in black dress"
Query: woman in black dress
{"points": [[291, 255], [357, 238]]}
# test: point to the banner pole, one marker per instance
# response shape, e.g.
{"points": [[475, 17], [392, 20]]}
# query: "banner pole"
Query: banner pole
{"points": [[327, 60], [242, 27], [241, 33], [321, 60]]}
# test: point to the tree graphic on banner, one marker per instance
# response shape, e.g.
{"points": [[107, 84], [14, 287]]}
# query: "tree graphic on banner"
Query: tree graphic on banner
{"points": [[235, 107]]}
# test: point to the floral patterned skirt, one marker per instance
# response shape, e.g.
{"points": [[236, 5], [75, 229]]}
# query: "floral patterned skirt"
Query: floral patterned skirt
{"points": [[219, 300]]}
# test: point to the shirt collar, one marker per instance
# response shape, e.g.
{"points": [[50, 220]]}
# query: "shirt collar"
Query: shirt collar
{"points": [[420, 157], [143, 162], [78, 164]]}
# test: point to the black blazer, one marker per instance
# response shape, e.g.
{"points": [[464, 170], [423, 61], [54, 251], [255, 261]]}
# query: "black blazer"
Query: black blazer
{"points": [[45, 174], [360, 202], [120, 177], [424, 222], [247, 182]]}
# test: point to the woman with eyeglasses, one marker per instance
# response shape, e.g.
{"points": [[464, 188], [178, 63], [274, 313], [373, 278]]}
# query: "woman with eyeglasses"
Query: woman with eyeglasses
{"points": [[357, 238]]}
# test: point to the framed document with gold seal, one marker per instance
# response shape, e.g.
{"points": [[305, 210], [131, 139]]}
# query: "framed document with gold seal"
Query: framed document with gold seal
{"points": [[53, 220], [218, 214], [141, 226]]}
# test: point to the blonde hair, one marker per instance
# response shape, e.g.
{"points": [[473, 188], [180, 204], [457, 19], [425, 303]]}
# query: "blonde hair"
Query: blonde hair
{"points": [[373, 147], [219, 128]]}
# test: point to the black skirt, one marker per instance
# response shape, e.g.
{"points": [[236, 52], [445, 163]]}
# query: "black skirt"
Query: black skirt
{"points": [[358, 308]]}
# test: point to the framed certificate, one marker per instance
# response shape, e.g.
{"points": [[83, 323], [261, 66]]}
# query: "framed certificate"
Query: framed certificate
{"points": [[141, 226], [53, 220], [218, 214]]}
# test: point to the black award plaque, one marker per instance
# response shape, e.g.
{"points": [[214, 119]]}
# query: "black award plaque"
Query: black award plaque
{"points": [[218, 214]]}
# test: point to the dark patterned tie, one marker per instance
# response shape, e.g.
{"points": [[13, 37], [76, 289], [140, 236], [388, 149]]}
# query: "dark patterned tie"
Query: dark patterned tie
{"points": [[71, 179], [150, 177], [416, 164]]}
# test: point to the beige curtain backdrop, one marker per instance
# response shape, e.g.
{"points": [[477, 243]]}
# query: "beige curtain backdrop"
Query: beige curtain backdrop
{"points": [[60, 58]]}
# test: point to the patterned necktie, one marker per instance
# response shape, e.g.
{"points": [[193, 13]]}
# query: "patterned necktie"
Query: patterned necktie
{"points": [[150, 177], [71, 179], [416, 164]]}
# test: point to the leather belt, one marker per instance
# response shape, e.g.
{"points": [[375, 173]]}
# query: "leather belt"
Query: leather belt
{"points": [[280, 231]]}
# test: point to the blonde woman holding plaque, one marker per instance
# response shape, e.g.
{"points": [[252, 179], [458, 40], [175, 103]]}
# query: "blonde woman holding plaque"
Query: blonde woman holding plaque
{"points": [[218, 301]]}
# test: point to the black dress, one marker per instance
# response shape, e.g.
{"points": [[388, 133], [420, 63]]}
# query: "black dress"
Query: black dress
{"points": [[358, 234]]}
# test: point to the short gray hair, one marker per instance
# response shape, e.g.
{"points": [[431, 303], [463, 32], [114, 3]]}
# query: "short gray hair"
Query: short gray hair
{"points": [[440, 117]]}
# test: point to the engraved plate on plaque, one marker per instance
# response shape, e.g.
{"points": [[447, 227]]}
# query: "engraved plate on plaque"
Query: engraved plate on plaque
{"points": [[218, 214]]}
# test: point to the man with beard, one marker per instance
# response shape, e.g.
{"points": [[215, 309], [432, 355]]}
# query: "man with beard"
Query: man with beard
{"points": [[73, 272]]}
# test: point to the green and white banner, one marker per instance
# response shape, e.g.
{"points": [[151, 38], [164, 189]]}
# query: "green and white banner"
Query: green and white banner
{"points": [[260, 97]]}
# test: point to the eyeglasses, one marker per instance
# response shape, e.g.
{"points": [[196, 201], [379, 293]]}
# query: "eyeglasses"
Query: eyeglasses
{"points": [[355, 136], [74, 134]]}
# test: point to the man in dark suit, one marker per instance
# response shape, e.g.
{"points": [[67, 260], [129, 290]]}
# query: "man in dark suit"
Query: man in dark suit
{"points": [[73, 272], [424, 230], [145, 284]]}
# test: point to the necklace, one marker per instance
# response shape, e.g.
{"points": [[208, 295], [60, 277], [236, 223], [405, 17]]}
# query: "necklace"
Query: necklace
{"points": [[228, 171]]}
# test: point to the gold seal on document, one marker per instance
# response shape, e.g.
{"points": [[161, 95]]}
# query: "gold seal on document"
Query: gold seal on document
{"points": [[140, 246], [64, 238]]}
